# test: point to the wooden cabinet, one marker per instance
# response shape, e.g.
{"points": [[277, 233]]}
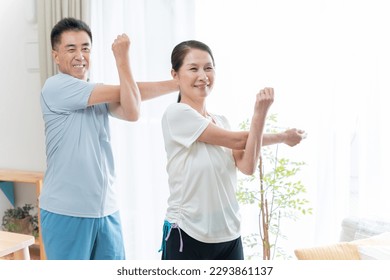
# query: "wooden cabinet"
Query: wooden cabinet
{"points": [[32, 177]]}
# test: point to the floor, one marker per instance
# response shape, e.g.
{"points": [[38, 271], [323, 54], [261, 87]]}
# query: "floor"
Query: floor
{"points": [[34, 254]]}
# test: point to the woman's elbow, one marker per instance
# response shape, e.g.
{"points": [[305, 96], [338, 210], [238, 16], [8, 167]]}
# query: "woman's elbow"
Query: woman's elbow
{"points": [[248, 170], [239, 144]]}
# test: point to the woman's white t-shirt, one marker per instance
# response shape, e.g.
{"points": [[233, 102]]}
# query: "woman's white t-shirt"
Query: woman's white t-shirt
{"points": [[202, 178]]}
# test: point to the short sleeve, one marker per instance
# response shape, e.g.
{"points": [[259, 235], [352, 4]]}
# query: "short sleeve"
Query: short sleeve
{"points": [[183, 124], [222, 121], [63, 93]]}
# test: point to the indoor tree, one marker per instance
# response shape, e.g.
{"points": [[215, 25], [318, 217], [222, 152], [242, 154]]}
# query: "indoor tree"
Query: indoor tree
{"points": [[278, 193]]}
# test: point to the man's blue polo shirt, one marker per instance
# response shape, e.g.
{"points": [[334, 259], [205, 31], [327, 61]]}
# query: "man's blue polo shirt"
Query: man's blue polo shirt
{"points": [[80, 168]]}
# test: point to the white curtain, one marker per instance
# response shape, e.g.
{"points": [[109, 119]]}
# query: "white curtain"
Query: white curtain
{"points": [[351, 163], [329, 64], [154, 28]]}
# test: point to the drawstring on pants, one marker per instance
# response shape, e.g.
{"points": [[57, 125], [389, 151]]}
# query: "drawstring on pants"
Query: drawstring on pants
{"points": [[167, 228]]}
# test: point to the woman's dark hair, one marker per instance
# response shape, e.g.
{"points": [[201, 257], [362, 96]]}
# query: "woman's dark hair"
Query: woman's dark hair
{"points": [[67, 24], [181, 50]]}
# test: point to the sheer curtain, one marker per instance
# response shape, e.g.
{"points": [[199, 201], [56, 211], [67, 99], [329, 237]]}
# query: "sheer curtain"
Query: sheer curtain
{"points": [[351, 131], [154, 28], [329, 65]]}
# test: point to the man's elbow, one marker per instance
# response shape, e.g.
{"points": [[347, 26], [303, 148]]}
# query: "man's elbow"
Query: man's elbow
{"points": [[132, 116], [133, 119]]}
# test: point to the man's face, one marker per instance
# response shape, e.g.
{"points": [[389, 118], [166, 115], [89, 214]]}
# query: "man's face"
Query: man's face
{"points": [[72, 54]]}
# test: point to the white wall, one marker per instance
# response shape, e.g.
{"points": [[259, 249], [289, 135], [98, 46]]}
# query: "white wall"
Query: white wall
{"points": [[21, 125]]}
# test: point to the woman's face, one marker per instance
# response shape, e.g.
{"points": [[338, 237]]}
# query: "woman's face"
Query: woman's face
{"points": [[196, 75]]}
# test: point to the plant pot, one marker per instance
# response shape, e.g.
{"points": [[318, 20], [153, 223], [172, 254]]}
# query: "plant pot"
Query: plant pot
{"points": [[23, 226]]}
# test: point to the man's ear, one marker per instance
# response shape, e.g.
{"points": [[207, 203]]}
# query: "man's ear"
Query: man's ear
{"points": [[54, 54]]}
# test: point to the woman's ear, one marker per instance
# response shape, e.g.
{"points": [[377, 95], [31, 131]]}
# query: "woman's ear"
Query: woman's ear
{"points": [[174, 74]]}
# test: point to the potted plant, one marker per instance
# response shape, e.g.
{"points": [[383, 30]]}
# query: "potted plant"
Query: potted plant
{"points": [[21, 220], [278, 194]]}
